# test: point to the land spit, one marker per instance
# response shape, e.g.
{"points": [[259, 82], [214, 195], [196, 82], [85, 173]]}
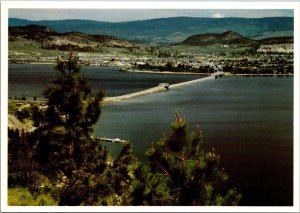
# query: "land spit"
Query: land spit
{"points": [[135, 94], [154, 89]]}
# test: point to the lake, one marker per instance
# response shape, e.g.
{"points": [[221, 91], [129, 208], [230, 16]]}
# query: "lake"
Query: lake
{"points": [[249, 121], [31, 79]]}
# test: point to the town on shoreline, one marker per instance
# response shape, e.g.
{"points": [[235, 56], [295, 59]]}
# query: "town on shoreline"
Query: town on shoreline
{"points": [[260, 63]]}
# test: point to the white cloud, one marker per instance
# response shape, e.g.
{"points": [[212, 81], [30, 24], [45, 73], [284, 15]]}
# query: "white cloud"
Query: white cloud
{"points": [[218, 15]]}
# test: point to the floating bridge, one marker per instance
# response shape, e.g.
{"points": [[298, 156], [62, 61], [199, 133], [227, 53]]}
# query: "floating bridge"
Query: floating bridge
{"points": [[218, 74], [163, 87], [160, 87]]}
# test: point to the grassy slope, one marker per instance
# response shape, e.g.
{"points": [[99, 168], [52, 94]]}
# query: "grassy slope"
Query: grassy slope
{"points": [[22, 47], [22, 197], [25, 47]]}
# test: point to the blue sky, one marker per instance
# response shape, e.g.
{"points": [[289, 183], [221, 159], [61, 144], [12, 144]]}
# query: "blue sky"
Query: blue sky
{"points": [[118, 15]]}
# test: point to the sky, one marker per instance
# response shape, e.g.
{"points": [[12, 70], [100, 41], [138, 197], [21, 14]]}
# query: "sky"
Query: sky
{"points": [[120, 15]]}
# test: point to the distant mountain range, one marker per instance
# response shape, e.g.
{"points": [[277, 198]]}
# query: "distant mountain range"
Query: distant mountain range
{"points": [[171, 30], [47, 38], [231, 38]]}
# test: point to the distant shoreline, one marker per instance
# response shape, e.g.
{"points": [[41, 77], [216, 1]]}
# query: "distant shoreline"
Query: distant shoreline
{"points": [[167, 72], [207, 74], [263, 74]]}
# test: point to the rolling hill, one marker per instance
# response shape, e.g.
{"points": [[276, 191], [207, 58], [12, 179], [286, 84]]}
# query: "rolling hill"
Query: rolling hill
{"points": [[50, 39], [171, 30], [277, 40], [231, 38], [226, 38]]}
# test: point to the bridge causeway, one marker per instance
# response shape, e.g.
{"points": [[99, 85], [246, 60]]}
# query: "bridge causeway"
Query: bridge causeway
{"points": [[162, 87]]}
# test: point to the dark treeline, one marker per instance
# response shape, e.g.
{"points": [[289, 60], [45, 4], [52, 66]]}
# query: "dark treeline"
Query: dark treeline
{"points": [[274, 65], [179, 68]]}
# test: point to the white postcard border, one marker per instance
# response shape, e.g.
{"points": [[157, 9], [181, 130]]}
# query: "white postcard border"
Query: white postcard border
{"points": [[6, 5]]}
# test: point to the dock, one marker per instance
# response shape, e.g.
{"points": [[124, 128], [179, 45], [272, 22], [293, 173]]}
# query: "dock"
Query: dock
{"points": [[110, 140]]}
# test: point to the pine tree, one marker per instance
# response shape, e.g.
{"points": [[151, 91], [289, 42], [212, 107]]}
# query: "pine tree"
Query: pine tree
{"points": [[66, 151], [66, 128], [36, 116], [180, 172], [122, 174], [21, 169]]}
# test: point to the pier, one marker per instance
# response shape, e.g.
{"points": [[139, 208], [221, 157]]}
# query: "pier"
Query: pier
{"points": [[111, 140]]}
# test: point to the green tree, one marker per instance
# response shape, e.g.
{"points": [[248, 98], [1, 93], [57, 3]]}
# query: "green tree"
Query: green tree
{"points": [[122, 174], [66, 151], [21, 169], [65, 131], [180, 172], [62, 156], [37, 116]]}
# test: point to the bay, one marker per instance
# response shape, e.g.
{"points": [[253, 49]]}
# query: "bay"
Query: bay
{"points": [[248, 120], [30, 80]]}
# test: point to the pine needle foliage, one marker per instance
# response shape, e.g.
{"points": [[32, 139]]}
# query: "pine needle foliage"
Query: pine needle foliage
{"points": [[65, 131], [180, 172], [66, 145], [62, 155]]}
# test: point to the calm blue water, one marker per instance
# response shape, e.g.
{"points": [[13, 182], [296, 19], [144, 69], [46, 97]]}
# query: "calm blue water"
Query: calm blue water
{"points": [[31, 79], [249, 121]]}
